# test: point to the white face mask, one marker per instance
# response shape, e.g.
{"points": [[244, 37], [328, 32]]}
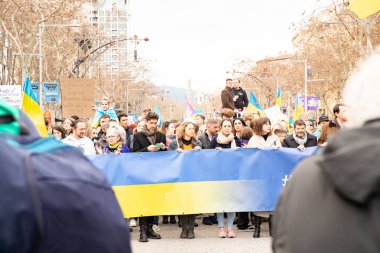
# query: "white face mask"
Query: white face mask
{"points": [[58, 137]]}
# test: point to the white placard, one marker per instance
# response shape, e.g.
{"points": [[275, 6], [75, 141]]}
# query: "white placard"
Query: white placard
{"points": [[274, 114], [11, 94]]}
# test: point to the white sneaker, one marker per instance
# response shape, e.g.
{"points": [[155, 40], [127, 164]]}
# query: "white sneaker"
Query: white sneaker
{"points": [[132, 223], [156, 228]]}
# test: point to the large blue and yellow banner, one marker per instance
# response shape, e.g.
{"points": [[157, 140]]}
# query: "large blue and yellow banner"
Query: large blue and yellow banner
{"points": [[206, 181]]}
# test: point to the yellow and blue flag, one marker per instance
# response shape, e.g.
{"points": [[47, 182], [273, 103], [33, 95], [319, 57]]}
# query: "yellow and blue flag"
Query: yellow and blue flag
{"points": [[364, 8], [31, 107], [170, 183], [254, 106], [157, 111], [279, 97], [298, 109]]}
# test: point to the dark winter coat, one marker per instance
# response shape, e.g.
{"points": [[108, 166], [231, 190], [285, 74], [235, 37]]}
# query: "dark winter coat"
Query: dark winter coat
{"points": [[215, 144], [129, 134], [332, 202], [241, 100], [205, 140], [141, 142], [290, 142], [227, 96]]}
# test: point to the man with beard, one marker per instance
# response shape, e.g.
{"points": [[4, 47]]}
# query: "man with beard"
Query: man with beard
{"points": [[149, 140], [228, 96], [300, 138]]}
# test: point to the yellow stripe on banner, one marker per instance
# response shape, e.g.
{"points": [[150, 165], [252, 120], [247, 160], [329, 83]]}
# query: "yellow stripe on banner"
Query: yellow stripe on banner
{"points": [[183, 198], [32, 109]]}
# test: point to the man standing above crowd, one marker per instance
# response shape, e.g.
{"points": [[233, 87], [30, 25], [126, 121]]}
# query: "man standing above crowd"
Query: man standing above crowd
{"points": [[149, 140], [228, 95], [334, 125], [78, 138], [300, 138], [241, 98]]}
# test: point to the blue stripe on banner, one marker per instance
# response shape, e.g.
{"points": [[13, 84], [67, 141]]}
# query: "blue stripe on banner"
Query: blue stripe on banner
{"points": [[198, 166]]}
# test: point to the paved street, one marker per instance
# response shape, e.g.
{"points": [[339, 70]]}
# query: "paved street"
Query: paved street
{"points": [[206, 240]]}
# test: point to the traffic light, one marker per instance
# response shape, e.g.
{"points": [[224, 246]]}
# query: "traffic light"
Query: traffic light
{"points": [[135, 55]]}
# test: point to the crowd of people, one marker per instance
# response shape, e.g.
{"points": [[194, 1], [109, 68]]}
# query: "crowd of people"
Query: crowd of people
{"points": [[112, 133]]}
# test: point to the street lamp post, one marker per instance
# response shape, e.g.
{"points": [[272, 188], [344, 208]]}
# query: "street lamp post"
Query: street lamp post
{"points": [[41, 26]]}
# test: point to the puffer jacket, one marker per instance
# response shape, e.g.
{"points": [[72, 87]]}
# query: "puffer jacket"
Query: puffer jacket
{"points": [[332, 202]]}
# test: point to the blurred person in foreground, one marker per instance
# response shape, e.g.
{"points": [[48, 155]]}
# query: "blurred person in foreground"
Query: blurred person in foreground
{"points": [[331, 204]]}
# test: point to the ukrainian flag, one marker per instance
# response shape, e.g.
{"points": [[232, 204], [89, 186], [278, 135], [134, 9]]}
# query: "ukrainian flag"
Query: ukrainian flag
{"points": [[32, 109], [157, 111], [279, 97], [254, 106], [171, 183], [298, 109], [364, 8]]}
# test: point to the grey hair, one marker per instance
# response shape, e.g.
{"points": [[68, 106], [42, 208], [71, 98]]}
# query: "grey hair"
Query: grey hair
{"points": [[362, 92], [117, 131]]}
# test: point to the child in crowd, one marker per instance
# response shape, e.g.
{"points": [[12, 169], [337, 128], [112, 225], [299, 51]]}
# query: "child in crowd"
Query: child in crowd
{"points": [[105, 108]]}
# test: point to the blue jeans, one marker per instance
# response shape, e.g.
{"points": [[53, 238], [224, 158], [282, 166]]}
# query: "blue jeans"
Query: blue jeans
{"points": [[230, 219]]}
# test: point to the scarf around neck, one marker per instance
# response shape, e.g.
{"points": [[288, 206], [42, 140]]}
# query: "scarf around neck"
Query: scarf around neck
{"points": [[222, 139], [114, 148], [150, 135], [300, 141]]}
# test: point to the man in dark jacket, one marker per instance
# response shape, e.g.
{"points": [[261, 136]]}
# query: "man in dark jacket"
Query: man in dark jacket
{"points": [[228, 95], [332, 202], [300, 138], [123, 119], [149, 140], [212, 127], [241, 98], [211, 131]]}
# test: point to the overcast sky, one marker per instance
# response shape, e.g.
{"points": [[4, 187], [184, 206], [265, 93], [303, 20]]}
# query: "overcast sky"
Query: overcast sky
{"points": [[202, 39]]}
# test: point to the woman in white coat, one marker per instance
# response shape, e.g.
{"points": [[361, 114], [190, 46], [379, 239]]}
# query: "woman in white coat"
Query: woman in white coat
{"points": [[262, 139]]}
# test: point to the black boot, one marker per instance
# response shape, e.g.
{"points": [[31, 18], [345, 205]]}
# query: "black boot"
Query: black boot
{"points": [[172, 219], [143, 236], [257, 222], [190, 227], [165, 219], [206, 221], [270, 224], [151, 234], [184, 222]]}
